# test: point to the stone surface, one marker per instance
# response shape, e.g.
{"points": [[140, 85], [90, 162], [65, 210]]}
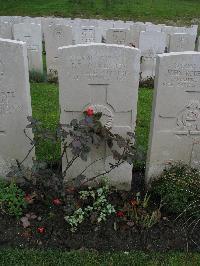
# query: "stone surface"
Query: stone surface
{"points": [[15, 105], [106, 78], [170, 30], [175, 126], [153, 27], [55, 37], [88, 34], [6, 30], [180, 42], [31, 34], [118, 36], [151, 43], [147, 68], [135, 33]]}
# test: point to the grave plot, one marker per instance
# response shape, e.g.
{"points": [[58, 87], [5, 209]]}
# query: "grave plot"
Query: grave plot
{"points": [[104, 78]]}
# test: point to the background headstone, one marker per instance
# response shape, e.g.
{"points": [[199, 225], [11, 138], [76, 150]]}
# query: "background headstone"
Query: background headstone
{"points": [[88, 34], [151, 43], [104, 77], [15, 105], [118, 36], [6, 30], [55, 37], [135, 33], [180, 42], [147, 68], [31, 34]]}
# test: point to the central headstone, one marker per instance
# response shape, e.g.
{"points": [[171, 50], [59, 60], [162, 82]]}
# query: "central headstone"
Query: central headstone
{"points": [[15, 105], [104, 77], [175, 127]]}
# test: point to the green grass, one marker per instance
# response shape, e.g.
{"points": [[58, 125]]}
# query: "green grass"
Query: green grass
{"points": [[144, 118], [45, 107], [15, 257], [147, 10]]}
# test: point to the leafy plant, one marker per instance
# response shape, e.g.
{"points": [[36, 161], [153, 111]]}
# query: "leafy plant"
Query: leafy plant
{"points": [[77, 139], [138, 212], [12, 199], [98, 208], [179, 189]]}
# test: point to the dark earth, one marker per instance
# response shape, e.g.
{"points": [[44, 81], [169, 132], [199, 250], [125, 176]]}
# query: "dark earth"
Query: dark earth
{"points": [[166, 235]]}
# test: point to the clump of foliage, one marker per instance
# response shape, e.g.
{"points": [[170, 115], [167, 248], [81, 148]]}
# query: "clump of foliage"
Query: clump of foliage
{"points": [[12, 198], [179, 189], [77, 139], [95, 206], [139, 212]]}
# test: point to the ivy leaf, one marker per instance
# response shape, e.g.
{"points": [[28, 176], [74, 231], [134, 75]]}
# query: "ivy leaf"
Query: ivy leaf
{"points": [[96, 140], [121, 143], [98, 116], [83, 156], [116, 155], [74, 123], [131, 134], [77, 181], [110, 143], [76, 143]]}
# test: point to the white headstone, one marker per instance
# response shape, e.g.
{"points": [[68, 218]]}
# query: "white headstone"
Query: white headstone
{"points": [[31, 34], [153, 27], [55, 37], [198, 44], [88, 34], [6, 30], [175, 125], [147, 68], [170, 30], [151, 43], [118, 36], [135, 33], [180, 42], [104, 25], [15, 105], [104, 77]]}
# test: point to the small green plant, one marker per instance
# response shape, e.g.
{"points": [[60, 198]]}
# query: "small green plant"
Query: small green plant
{"points": [[139, 212], [179, 189], [12, 198], [97, 207]]}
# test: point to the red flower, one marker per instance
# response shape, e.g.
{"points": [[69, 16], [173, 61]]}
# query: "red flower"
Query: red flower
{"points": [[57, 202], [120, 214], [90, 111], [41, 230]]}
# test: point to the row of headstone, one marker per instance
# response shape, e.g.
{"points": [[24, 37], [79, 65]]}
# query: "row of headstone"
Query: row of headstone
{"points": [[106, 77], [151, 39]]}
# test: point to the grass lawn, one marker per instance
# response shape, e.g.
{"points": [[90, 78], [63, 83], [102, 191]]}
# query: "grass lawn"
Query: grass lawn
{"points": [[50, 258], [147, 10], [45, 107]]}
